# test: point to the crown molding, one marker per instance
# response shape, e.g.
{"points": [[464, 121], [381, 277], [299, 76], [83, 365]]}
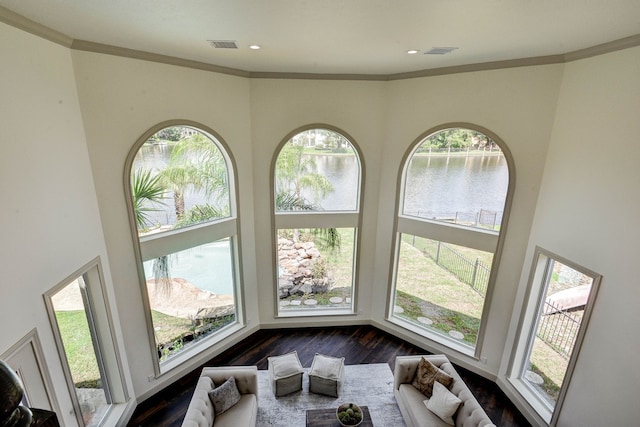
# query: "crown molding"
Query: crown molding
{"points": [[483, 66], [601, 49], [87, 46], [26, 24], [18, 21]]}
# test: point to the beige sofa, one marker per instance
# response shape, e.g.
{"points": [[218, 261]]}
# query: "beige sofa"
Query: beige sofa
{"points": [[410, 400], [200, 412]]}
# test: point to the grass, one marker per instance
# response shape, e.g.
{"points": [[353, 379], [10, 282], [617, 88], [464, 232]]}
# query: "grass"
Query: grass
{"points": [[74, 329], [78, 347], [424, 289]]}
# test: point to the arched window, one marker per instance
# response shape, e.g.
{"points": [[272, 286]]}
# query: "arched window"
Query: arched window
{"points": [[184, 213], [317, 177], [454, 189]]}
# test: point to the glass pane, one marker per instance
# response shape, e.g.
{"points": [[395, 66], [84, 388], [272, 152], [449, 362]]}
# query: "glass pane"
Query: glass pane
{"points": [[179, 178], [458, 176], [315, 268], [317, 170], [79, 347], [564, 302], [191, 294], [441, 287]]}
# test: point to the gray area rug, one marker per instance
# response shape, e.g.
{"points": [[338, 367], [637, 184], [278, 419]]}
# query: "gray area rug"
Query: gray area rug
{"points": [[370, 385]]}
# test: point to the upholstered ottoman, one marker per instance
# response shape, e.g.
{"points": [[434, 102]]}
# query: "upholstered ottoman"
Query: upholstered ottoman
{"points": [[326, 375], [285, 373]]}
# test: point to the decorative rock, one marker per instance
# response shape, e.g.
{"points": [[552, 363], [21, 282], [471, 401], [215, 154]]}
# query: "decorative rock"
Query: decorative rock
{"points": [[285, 303], [296, 302], [335, 300], [310, 301], [534, 378], [425, 321], [457, 335], [398, 309], [347, 300]]}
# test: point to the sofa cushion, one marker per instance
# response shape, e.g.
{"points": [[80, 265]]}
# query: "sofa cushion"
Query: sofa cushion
{"points": [[419, 416], [443, 403], [243, 413], [225, 396], [426, 374]]}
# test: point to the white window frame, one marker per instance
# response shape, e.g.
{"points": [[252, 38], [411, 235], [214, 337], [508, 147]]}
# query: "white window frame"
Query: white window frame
{"points": [[470, 237], [156, 245], [104, 342], [314, 219], [539, 277]]}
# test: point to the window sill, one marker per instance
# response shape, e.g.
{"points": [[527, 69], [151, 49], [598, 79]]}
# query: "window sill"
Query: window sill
{"points": [[315, 312], [451, 343]]}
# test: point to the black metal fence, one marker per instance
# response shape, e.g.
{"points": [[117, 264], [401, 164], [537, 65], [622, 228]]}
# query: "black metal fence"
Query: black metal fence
{"points": [[474, 273], [559, 328]]}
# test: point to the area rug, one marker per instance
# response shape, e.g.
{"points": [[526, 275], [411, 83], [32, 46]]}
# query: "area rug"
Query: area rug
{"points": [[370, 385]]}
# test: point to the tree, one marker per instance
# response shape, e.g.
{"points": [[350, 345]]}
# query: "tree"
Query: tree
{"points": [[295, 174], [147, 191], [196, 163]]}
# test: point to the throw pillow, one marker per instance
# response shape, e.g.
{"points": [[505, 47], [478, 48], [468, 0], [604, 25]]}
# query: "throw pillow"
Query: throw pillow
{"points": [[285, 365], [326, 366], [426, 374], [443, 403], [224, 396]]}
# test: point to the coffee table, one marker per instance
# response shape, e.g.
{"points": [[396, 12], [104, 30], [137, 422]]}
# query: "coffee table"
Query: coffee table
{"points": [[327, 418]]}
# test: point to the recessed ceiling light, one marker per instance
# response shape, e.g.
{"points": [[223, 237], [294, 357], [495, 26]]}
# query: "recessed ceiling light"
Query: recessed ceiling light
{"points": [[255, 47], [412, 51]]}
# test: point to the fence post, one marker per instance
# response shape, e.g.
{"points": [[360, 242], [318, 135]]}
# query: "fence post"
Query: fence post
{"points": [[438, 253], [473, 276]]}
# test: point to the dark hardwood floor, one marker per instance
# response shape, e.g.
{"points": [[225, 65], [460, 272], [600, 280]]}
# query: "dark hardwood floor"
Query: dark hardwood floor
{"points": [[358, 345]]}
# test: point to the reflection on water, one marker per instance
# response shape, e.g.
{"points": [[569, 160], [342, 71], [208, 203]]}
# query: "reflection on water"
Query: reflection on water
{"points": [[441, 186]]}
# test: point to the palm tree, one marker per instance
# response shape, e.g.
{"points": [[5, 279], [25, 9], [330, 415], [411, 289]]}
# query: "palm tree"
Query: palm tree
{"points": [[147, 191], [295, 173], [197, 163]]}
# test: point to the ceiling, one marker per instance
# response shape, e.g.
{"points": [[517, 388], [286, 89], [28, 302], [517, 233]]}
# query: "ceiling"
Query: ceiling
{"points": [[340, 36]]}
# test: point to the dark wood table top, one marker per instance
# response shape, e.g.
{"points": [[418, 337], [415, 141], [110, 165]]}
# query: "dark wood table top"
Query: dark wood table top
{"points": [[327, 418]]}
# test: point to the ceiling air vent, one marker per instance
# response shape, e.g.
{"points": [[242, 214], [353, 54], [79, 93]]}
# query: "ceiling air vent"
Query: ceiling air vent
{"points": [[440, 50], [223, 44]]}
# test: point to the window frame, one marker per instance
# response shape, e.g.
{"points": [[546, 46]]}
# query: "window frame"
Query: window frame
{"points": [[150, 246], [317, 219], [538, 282], [100, 323], [472, 237]]}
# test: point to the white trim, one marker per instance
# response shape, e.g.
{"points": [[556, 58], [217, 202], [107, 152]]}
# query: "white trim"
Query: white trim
{"points": [[470, 237], [157, 245]]}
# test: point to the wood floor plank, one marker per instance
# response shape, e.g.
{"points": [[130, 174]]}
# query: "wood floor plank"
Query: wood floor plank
{"points": [[357, 344]]}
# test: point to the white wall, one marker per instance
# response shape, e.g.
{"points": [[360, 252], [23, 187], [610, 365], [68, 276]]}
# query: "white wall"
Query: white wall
{"points": [[587, 211], [49, 217], [121, 99]]}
